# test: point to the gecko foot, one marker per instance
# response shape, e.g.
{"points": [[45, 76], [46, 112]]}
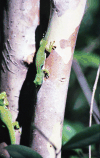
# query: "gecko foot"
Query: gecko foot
{"points": [[46, 73]]}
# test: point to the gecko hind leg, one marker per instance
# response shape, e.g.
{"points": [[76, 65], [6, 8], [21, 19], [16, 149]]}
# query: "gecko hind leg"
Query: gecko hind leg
{"points": [[46, 73]]}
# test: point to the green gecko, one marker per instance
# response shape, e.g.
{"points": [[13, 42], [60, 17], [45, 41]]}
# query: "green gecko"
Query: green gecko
{"points": [[6, 117], [40, 60]]}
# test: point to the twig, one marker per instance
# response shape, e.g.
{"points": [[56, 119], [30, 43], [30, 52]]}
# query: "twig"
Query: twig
{"points": [[86, 90], [92, 45], [92, 99], [93, 93]]}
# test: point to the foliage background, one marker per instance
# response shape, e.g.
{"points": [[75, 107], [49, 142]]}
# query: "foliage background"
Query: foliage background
{"points": [[88, 33], [77, 107]]}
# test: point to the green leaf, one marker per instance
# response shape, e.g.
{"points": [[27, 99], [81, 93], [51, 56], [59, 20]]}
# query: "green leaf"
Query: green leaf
{"points": [[20, 151], [69, 130], [87, 59], [89, 135]]}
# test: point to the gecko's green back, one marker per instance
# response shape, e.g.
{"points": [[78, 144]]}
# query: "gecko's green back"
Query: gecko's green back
{"points": [[40, 59], [6, 117]]}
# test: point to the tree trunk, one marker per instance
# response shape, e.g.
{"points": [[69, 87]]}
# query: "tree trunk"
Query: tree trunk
{"points": [[51, 97], [18, 47]]}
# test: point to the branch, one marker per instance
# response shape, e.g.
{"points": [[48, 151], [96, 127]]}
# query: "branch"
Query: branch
{"points": [[86, 90]]}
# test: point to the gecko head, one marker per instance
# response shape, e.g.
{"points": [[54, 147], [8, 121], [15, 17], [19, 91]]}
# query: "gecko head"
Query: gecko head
{"points": [[3, 99], [39, 79]]}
